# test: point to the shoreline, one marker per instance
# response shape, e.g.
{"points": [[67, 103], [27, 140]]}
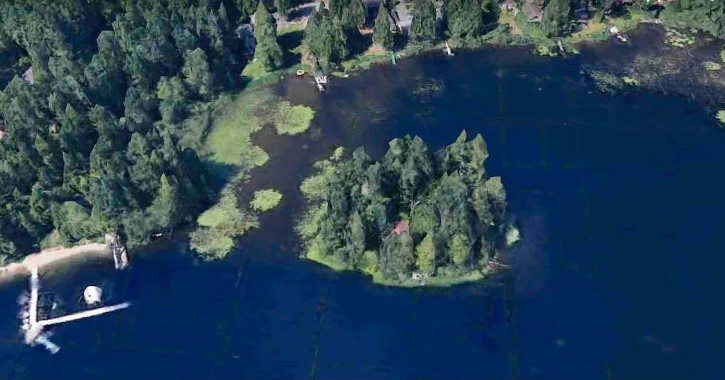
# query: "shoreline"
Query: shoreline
{"points": [[52, 256]]}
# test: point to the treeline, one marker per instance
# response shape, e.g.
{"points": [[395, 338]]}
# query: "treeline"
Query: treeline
{"points": [[414, 211], [104, 137], [333, 33]]}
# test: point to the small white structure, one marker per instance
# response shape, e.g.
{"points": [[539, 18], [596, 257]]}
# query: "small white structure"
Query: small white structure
{"points": [[448, 50], [92, 295], [28, 76], [321, 81], [120, 255], [615, 32]]}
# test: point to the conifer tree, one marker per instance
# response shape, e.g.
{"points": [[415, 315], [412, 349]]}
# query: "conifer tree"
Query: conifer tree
{"points": [[351, 16], [382, 34], [325, 39], [555, 21], [282, 8], [423, 26], [267, 51], [463, 18]]}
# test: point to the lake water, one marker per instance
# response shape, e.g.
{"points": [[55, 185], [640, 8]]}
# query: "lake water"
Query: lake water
{"points": [[620, 199]]}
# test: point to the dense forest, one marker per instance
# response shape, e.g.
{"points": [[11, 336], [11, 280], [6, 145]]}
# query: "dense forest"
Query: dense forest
{"points": [[105, 103], [414, 212], [97, 132]]}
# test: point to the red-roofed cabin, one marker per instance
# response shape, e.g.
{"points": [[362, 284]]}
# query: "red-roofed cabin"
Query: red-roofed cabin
{"points": [[400, 226]]}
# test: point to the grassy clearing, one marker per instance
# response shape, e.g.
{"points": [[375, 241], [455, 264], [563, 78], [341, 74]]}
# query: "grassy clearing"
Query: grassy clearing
{"points": [[292, 120], [265, 200], [258, 76]]}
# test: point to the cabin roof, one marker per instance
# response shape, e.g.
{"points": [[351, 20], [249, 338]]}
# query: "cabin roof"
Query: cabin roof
{"points": [[400, 226]]}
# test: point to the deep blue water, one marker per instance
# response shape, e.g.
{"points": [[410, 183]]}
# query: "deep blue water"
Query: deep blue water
{"points": [[620, 199]]}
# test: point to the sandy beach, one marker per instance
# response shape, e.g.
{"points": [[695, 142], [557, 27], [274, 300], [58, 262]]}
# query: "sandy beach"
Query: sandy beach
{"points": [[52, 255]]}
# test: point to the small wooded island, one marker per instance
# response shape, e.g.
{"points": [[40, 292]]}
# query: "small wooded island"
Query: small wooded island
{"points": [[416, 218]]}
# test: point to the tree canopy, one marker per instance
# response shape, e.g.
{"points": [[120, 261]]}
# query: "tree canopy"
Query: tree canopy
{"points": [[382, 34], [423, 26], [555, 21], [94, 142], [413, 212], [325, 38], [265, 32]]}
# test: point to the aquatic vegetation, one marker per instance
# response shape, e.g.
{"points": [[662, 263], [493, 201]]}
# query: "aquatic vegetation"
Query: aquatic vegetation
{"points": [[428, 88], [292, 120], [712, 66], [438, 221], [545, 50], [229, 141], [218, 226], [722, 55], [678, 38], [630, 81], [605, 81], [265, 200], [721, 116]]}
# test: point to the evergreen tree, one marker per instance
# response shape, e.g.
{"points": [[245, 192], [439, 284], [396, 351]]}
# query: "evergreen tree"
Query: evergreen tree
{"points": [[426, 255], [491, 13], [463, 18], [556, 20], [356, 237], [165, 209], [398, 256], [283, 7], [197, 73], [423, 26], [351, 16], [325, 39], [382, 34], [267, 51], [460, 249], [248, 7]]}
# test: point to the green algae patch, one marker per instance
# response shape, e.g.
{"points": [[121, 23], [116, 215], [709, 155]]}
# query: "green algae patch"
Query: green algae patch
{"points": [[218, 227], [292, 120], [229, 142], [265, 200], [720, 116]]}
